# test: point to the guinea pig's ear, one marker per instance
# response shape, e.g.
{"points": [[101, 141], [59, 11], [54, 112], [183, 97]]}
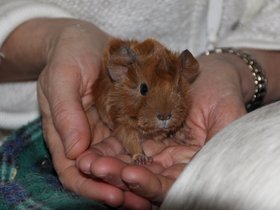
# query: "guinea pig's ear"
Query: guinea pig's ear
{"points": [[189, 65], [120, 57]]}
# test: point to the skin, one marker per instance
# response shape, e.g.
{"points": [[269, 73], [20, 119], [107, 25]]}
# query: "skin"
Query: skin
{"points": [[64, 55]]}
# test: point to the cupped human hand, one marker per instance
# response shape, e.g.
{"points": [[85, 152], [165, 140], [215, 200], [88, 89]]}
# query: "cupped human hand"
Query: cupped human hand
{"points": [[219, 95], [65, 85], [64, 91], [70, 176], [143, 187], [218, 99]]}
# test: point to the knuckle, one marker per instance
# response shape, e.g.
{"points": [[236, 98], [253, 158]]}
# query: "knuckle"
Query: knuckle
{"points": [[60, 112]]}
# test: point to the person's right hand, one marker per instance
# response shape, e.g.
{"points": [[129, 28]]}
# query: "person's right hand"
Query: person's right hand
{"points": [[65, 95], [73, 60], [65, 54]]}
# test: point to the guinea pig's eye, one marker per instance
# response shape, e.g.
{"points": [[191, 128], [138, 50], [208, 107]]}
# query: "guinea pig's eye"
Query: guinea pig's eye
{"points": [[143, 89]]}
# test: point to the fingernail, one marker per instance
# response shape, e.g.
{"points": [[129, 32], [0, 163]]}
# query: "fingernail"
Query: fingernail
{"points": [[115, 181], [83, 164], [107, 178], [134, 186]]}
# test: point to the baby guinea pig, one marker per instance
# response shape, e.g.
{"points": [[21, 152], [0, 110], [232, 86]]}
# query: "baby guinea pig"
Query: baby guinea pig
{"points": [[143, 91]]}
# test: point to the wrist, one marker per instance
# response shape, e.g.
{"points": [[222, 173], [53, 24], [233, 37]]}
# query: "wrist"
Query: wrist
{"points": [[237, 73], [85, 35], [29, 47], [246, 80], [260, 81], [25, 50]]}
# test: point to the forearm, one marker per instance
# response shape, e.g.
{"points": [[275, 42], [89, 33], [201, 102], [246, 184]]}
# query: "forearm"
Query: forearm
{"points": [[26, 48], [24, 51]]}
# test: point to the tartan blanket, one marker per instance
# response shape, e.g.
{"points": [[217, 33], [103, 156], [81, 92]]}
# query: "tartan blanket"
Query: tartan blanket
{"points": [[28, 179]]}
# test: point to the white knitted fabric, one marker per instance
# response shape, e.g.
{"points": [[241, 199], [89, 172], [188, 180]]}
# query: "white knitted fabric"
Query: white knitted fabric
{"points": [[18, 104], [174, 22], [259, 26], [183, 24], [179, 24], [16, 12]]}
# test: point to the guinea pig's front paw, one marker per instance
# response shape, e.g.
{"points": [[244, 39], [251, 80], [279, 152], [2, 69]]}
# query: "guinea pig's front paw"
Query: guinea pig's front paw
{"points": [[141, 159]]}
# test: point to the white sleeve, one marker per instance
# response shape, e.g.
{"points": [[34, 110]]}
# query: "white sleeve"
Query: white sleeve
{"points": [[259, 29], [14, 13], [18, 104]]}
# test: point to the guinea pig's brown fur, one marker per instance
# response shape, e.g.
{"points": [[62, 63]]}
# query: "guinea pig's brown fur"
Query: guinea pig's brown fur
{"points": [[143, 91]]}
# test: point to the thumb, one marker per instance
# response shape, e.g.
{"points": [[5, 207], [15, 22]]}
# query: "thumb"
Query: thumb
{"points": [[203, 125], [223, 116], [64, 107]]}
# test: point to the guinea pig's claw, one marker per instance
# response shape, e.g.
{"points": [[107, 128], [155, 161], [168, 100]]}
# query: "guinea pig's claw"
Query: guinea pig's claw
{"points": [[141, 159]]}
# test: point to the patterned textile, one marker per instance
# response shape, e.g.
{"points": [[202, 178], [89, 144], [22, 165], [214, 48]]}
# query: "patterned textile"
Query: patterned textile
{"points": [[28, 180]]}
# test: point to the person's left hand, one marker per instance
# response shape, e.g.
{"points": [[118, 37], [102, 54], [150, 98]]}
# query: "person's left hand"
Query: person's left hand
{"points": [[217, 101], [143, 186]]}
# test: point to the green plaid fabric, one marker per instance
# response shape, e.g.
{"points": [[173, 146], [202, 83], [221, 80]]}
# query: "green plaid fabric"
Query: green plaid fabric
{"points": [[28, 180]]}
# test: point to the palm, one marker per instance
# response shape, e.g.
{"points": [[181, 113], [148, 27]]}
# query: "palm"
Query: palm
{"points": [[216, 103], [147, 184]]}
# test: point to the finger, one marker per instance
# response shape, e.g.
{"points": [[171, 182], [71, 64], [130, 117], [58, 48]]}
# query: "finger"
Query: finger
{"points": [[60, 162], [176, 154], [197, 127], [72, 179], [133, 201], [152, 147], [100, 132], [87, 187], [146, 184], [174, 171], [218, 119], [108, 147], [109, 170], [68, 114], [85, 160], [98, 129], [203, 125]]}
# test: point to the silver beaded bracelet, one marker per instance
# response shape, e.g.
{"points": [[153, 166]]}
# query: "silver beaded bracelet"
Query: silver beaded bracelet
{"points": [[256, 69]]}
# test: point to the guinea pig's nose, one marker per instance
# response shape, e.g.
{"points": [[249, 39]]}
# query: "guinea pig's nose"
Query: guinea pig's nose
{"points": [[162, 116]]}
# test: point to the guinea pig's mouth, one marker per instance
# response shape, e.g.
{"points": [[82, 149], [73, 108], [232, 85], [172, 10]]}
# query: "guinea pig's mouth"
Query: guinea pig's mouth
{"points": [[163, 124], [157, 129], [157, 125]]}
